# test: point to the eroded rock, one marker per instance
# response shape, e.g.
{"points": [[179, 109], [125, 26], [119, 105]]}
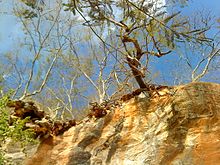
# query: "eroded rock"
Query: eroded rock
{"points": [[178, 126]]}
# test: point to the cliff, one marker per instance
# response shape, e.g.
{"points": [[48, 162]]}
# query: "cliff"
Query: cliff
{"points": [[178, 125]]}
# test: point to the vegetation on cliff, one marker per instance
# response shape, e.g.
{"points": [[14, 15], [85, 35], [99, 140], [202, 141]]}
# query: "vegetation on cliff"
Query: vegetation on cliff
{"points": [[12, 129], [71, 54]]}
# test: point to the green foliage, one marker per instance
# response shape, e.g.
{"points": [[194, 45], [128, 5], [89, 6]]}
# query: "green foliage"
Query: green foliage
{"points": [[72, 6], [28, 14], [4, 125], [2, 160], [15, 131], [18, 133], [4, 118]]}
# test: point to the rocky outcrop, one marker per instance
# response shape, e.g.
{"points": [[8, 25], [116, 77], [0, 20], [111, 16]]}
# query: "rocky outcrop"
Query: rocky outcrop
{"points": [[42, 125], [173, 126], [15, 152]]}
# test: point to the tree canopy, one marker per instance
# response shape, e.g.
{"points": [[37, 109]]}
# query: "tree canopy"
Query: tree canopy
{"points": [[79, 51]]}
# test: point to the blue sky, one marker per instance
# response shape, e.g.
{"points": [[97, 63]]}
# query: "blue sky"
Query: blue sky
{"points": [[10, 29], [213, 5], [11, 32]]}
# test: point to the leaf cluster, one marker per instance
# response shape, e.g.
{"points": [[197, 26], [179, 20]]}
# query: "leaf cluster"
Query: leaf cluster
{"points": [[15, 131], [27, 14]]}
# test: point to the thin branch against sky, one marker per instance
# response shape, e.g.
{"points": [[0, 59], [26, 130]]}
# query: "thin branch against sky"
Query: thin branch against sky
{"points": [[11, 30]]}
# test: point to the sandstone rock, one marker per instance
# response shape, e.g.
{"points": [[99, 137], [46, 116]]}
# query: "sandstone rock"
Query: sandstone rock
{"points": [[42, 124], [15, 152], [178, 126]]}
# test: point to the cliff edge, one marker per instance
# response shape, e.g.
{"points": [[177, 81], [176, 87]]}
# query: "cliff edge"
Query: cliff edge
{"points": [[178, 125]]}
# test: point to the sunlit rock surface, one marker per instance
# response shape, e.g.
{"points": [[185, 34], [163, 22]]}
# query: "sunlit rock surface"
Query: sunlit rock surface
{"points": [[181, 126]]}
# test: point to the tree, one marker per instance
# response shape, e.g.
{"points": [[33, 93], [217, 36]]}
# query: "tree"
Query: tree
{"points": [[146, 29], [87, 48]]}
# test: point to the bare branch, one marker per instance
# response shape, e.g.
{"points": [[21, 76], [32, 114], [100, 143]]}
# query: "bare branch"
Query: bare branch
{"points": [[46, 77], [37, 54], [206, 68]]}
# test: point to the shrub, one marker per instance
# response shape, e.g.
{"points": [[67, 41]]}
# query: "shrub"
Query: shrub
{"points": [[15, 131]]}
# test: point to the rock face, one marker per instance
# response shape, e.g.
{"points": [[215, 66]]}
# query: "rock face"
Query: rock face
{"points": [[179, 126], [15, 152]]}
